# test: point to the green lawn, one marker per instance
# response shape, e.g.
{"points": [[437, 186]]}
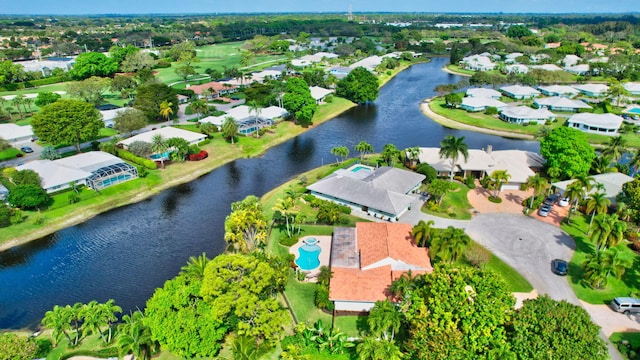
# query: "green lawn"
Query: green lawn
{"points": [[632, 337], [10, 153], [302, 296], [458, 69], [515, 281], [454, 205], [628, 284]]}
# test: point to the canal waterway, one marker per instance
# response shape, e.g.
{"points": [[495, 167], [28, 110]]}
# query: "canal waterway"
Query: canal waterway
{"points": [[126, 253]]}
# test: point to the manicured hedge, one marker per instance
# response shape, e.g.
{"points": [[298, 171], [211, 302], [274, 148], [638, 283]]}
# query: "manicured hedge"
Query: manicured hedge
{"points": [[32, 83], [102, 353], [126, 155]]}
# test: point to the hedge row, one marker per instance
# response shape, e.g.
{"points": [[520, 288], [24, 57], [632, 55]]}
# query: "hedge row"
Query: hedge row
{"points": [[126, 155], [102, 353], [33, 83]]}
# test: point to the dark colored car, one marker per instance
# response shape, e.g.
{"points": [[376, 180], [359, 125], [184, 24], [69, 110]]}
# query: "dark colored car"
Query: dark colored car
{"points": [[559, 267], [26, 149], [551, 199], [544, 210]]}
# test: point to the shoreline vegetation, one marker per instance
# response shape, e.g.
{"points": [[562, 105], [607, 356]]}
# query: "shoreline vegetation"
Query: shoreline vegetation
{"points": [[181, 173]]}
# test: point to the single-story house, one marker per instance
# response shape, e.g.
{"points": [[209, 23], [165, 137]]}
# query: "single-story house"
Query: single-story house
{"points": [[558, 90], [95, 169], [559, 103], [265, 74], [511, 58], [519, 164], [365, 260], [519, 91], [381, 192], [16, 134], [248, 120], [47, 66], [168, 132], [370, 63], [570, 60], [525, 114], [481, 103], [340, 72], [605, 124], [516, 69], [580, 69], [477, 63], [632, 87], [182, 99], [593, 90], [484, 93], [612, 183], [319, 93], [217, 89], [546, 67], [108, 116]]}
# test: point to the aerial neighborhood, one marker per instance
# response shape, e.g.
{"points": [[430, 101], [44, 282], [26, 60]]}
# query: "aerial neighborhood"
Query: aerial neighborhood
{"points": [[320, 185]]}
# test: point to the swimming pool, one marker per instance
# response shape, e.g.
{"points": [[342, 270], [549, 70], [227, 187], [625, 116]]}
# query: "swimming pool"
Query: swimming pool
{"points": [[634, 111], [114, 180], [360, 168], [309, 258], [164, 155]]}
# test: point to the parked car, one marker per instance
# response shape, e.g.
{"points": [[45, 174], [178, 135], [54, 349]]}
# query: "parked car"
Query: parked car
{"points": [[544, 210], [551, 199], [559, 267], [26, 149], [626, 305], [563, 202]]}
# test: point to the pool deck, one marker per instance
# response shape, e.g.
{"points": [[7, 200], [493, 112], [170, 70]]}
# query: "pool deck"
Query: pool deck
{"points": [[324, 242]]}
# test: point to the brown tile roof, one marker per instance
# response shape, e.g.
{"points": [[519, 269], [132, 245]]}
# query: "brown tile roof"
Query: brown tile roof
{"points": [[357, 285], [216, 86], [378, 241]]}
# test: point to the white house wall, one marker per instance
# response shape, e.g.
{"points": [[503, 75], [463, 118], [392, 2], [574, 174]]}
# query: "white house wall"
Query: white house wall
{"points": [[356, 306]]}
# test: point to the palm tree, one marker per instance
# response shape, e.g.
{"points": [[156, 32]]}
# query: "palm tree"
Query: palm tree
{"points": [[635, 162], [374, 349], [17, 101], [59, 320], [450, 245], [599, 265], [422, 233], [539, 184], [245, 348], [135, 337], [165, 109], [255, 109], [229, 128], [451, 148], [615, 147], [574, 193], [389, 153], [499, 177], [402, 286], [159, 146], [413, 153], [341, 153], [199, 107], [363, 147], [92, 320], [384, 317], [608, 231], [195, 266], [597, 203], [602, 164], [109, 311]]}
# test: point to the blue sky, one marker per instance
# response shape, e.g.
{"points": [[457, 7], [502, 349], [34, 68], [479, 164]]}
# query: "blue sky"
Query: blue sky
{"points": [[72, 7]]}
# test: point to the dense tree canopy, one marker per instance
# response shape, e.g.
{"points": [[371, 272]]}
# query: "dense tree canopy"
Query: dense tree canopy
{"points": [[298, 100], [15, 347], [360, 86], [547, 329], [568, 151], [129, 120], [67, 121], [150, 96], [28, 196], [46, 98], [90, 90], [91, 64]]}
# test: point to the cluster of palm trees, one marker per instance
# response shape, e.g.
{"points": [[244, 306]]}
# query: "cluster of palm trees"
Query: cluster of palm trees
{"points": [[16, 103], [286, 209], [446, 245]]}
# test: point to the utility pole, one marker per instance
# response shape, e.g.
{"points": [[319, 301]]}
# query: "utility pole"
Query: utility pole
{"points": [[350, 14]]}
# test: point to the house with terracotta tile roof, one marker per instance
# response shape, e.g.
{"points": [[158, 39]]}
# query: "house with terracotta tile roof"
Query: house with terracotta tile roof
{"points": [[365, 260], [217, 89]]}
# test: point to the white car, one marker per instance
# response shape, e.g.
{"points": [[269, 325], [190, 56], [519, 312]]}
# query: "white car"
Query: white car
{"points": [[563, 202]]}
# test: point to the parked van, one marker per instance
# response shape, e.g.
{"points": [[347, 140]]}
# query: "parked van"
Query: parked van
{"points": [[626, 305]]}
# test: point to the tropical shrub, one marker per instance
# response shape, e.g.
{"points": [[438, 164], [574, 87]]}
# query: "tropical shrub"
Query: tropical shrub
{"points": [[126, 155]]}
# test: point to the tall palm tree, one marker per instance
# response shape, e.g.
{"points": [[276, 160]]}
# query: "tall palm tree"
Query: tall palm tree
{"points": [[92, 320], [635, 162], [165, 109], [597, 203], [384, 319], [195, 266], [109, 311], [376, 349], [574, 193], [615, 147], [255, 109], [413, 153], [422, 232], [17, 101], [450, 245], [135, 337], [601, 264], [608, 231], [602, 164], [59, 320], [451, 148], [229, 128], [341, 153], [389, 153], [499, 177], [199, 107], [539, 184], [363, 147], [159, 146]]}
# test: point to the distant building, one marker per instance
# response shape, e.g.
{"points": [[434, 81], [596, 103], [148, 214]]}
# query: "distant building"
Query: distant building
{"points": [[520, 92], [558, 90], [525, 114], [558, 103], [632, 87], [168, 132], [481, 104], [477, 63], [484, 93], [605, 124], [16, 134], [249, 121], [592, 90]]}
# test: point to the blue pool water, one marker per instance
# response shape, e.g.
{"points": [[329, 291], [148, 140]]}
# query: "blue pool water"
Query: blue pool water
{"points": [[115, 180], [360, 168], [634, 111], [309, 257], [164, 155]]}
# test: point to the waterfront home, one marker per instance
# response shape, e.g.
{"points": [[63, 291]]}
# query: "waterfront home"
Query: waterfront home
{"points": [[16, 134], [547, 67], [580, 69], [605, 124], [632, 87], [519, 164], [249, 120], [369, 63], [216, 89], [307, 60], [340, 72], [612, 183], [525, 115], [484, 93], [592, 90], [95, 169], [319, 93], [365, 260], [558, 90], [477, 63], [481, 103], [380, 192], [266, 74], [519, 92], [168, 132], [559, 103], [516, 69]]}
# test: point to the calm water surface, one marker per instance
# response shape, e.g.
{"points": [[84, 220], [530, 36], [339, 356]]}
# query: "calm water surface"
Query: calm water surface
{"points": [[126, 253]]}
